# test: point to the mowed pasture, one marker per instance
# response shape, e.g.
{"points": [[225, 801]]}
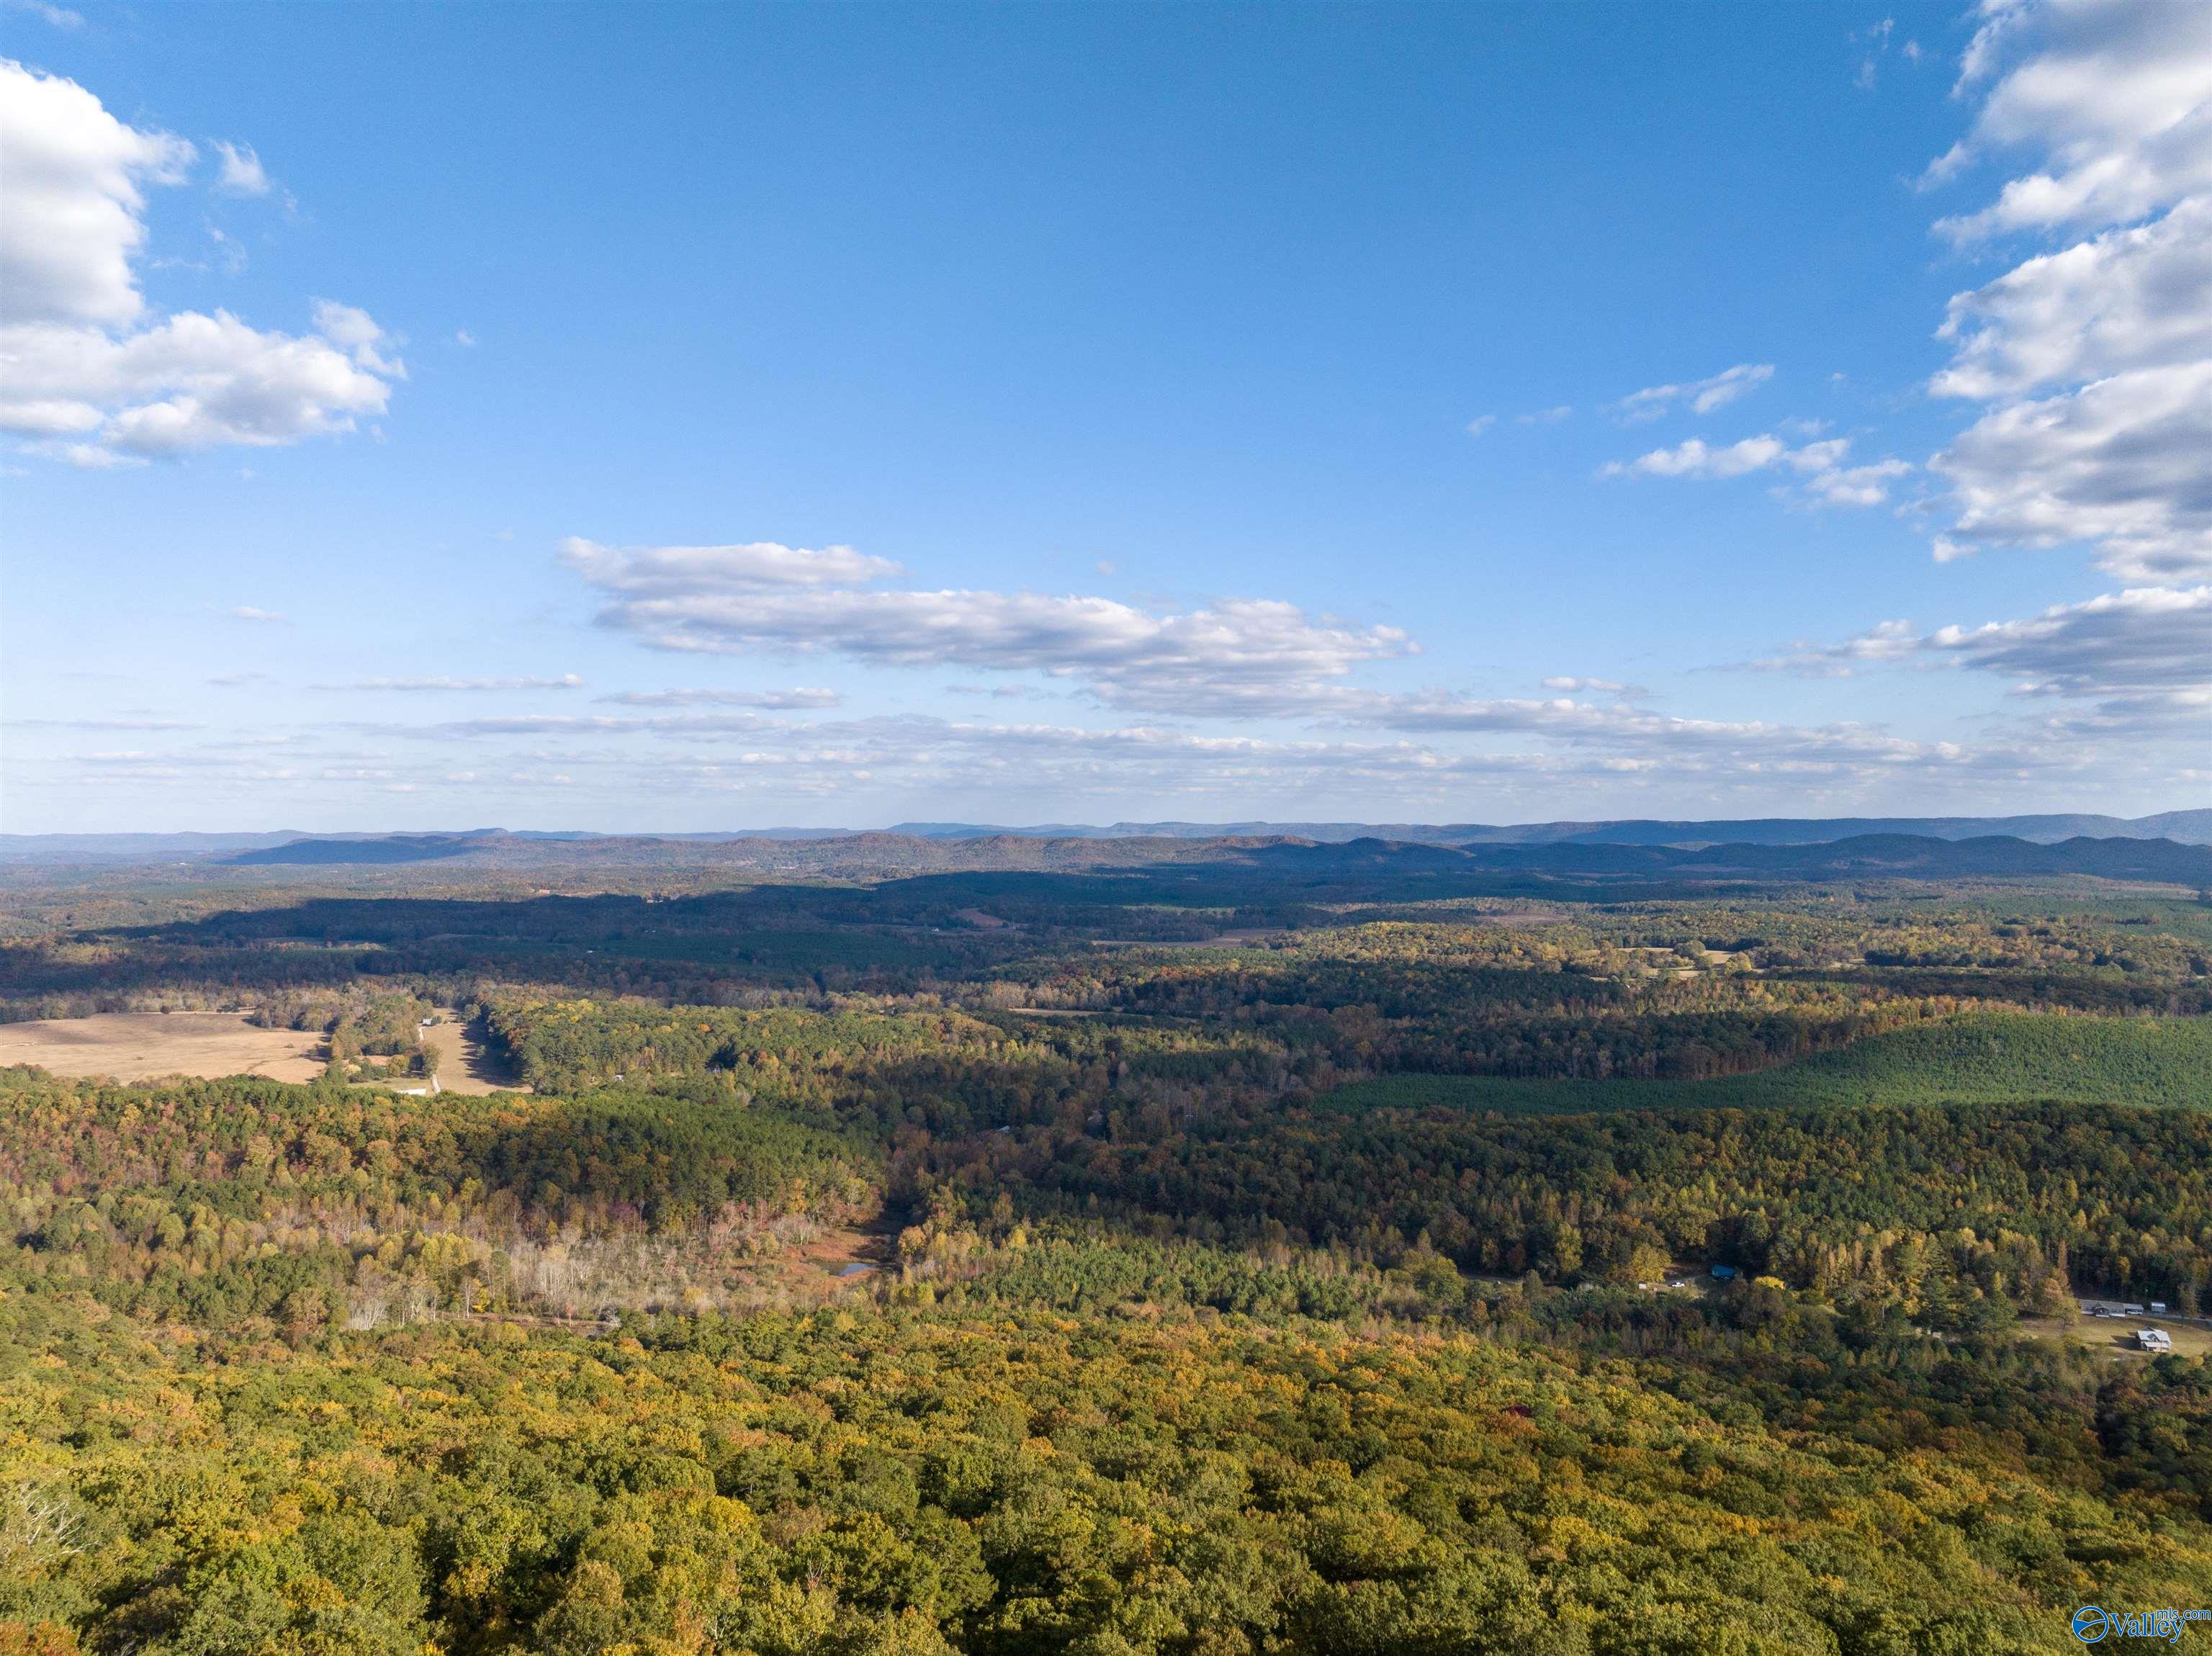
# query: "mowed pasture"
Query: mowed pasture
{"points": [[142, 1046], [465, 1064]]}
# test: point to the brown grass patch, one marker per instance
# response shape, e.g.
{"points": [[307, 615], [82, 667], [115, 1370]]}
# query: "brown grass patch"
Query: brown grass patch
{"points": [[141, 1046]]}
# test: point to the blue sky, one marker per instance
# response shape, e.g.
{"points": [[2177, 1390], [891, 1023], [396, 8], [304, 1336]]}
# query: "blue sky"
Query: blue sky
{"points": [[696, 417]]}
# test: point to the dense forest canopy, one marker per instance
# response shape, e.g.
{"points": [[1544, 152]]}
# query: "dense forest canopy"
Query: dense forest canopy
{"points": [[1189, 1259]]}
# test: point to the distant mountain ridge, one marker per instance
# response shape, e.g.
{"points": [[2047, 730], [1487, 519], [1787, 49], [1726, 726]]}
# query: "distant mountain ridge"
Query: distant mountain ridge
{"points": [[1872, 856], [1860, 857], [2183, 826], [1415, 868]]}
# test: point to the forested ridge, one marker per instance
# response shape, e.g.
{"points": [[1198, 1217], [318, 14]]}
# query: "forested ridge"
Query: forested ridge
{"points": [[1231, 1276], [1945, 1208]]}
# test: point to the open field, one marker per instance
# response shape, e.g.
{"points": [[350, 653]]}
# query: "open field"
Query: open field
{"points": [[2117, 1335], [464, 1064], [1218, 940], [140, 1046], [1979, 1059]]}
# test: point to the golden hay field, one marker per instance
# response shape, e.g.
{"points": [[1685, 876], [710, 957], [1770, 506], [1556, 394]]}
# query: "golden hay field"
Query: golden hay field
{"points": [[139, 1045]]}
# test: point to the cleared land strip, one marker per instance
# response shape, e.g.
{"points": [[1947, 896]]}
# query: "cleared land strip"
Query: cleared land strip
{"points": [[465, 1063]]}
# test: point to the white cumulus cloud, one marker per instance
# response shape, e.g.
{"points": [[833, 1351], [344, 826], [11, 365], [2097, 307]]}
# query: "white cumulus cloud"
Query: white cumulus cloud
{"points": [[193, 381], [1698, 458], [2093, 360], [2114, 97], [1250, 655], [2133, 297], [89, 375], [1826, 480], [2121, 462], [2142, 655], [1865, 485], [642, 572], [2144, 638], [73, 179]]}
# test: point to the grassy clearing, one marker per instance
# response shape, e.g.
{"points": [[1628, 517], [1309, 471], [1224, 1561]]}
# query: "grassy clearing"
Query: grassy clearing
{"points": [[2116, 1336], [140, 1046]]}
